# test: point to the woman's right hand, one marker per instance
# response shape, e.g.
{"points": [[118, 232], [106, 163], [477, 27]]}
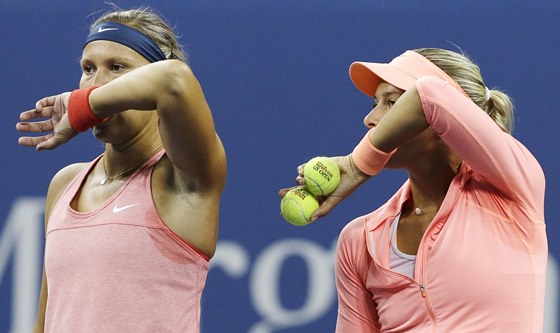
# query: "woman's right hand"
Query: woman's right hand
{"points": [[350, 179], [56, 124]]}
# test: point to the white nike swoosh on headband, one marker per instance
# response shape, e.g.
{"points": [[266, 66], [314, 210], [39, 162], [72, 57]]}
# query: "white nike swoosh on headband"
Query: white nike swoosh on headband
{"points": [[106, 29]]}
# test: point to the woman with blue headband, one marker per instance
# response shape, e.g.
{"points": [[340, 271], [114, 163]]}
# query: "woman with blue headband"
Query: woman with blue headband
{"points": [[130, 234]]}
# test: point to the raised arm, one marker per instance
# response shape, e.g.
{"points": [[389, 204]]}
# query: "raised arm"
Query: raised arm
{"points": [[466, 129], [492, 153], [185, 121], [167, 87]]}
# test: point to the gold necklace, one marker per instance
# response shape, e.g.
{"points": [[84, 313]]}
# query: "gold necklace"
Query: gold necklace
{"points": [[112, 178]]}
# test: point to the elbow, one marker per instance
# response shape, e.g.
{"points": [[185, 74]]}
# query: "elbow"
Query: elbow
{"points": [[177, 77]]}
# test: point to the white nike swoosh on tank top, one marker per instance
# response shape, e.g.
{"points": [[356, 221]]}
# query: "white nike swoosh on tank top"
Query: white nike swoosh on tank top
{"points": [[117, 209]]}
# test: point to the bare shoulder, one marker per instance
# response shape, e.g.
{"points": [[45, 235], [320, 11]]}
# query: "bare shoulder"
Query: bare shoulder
{"points": [[59, 182]]}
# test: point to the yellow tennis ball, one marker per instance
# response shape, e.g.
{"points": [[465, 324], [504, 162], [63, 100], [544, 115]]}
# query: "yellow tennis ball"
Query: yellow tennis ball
{"points": [[321, 175], [298, 205]]}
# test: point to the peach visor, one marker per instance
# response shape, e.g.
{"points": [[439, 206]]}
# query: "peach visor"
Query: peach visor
{"points": [[402, 72]]}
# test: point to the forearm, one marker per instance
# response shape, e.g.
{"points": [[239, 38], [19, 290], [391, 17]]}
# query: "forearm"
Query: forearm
{"points": [[145, 88], [404, 121]]}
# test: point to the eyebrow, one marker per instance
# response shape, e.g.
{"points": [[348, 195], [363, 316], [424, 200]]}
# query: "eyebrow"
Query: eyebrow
{"points": [[387, 93], [119, 58]]}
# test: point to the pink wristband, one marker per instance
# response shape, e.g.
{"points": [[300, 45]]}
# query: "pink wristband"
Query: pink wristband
{"points": [[79, 112], [368, 158]]}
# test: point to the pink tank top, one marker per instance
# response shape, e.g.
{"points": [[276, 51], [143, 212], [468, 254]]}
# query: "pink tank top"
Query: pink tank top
{"points": [[119, 268]]}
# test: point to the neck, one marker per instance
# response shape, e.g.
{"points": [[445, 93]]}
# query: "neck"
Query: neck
{"points": [[429, 186], [120, 157]]}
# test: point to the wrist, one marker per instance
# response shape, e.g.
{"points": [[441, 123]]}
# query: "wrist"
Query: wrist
{"points": [[79, 110], [369, 159]]}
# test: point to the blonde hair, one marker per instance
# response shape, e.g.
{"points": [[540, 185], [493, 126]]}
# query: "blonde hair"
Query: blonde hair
{"points": [[149, 23], [467, 74]]}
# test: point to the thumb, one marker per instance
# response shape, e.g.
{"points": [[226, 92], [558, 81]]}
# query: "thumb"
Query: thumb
{"points": [[326, 207], [49, 144], [55, 140]]}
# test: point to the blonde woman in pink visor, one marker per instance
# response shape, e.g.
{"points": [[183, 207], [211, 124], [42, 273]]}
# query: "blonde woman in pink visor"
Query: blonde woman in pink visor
{"points": [[461, 246]]}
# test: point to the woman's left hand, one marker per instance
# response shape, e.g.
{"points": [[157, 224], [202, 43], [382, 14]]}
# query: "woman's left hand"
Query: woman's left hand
{"points": [[56, 124]]}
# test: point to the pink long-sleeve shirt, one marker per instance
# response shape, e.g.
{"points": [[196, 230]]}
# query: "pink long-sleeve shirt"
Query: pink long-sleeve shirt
{"points": [[481, 263]]}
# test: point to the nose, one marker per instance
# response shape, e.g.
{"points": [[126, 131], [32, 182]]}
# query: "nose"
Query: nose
{"points": [[371, 119], [101, 77]]}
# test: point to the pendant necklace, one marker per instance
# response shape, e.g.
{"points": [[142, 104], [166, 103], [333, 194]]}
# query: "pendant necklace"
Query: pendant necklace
{"points": [[125, 172], [417, 211]]}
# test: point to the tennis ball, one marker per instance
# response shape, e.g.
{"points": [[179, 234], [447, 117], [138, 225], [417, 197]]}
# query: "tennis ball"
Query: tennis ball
{"points": [[298, 205], [321, 175]]}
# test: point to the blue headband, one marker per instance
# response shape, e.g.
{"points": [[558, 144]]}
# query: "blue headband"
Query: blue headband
{"points": [[126, 36]]}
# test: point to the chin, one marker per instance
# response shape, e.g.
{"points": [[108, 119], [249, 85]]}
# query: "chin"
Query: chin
{"points": [[394, 163], [97, 132], [393, 166], [101, 133]]}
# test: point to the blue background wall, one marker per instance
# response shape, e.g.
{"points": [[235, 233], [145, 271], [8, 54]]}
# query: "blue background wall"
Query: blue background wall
{"points": [[276, 76]]}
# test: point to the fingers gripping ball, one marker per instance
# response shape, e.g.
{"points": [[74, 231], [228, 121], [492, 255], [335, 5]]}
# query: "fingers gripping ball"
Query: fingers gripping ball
{"points": [[321, 175], [297, 206]]}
